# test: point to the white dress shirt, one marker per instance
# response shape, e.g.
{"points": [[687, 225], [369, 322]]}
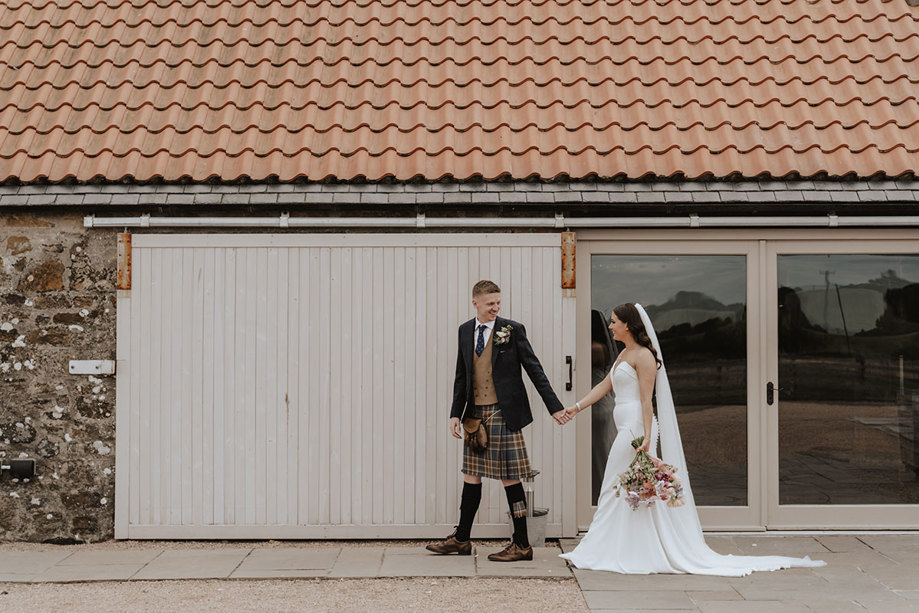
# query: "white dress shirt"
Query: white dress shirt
{"points": [[489, 326]]}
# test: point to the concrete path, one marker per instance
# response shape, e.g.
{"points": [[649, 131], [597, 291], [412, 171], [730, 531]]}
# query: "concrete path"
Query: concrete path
{"points": [[875, 573], [273, 563], [864, 573]]}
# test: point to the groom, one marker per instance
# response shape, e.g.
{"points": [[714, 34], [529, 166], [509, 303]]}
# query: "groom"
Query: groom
{"points": [[489, 386]]}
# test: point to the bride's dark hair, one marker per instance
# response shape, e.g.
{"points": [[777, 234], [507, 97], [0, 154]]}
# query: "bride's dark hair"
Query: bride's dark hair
{"points": [[629, 315]]}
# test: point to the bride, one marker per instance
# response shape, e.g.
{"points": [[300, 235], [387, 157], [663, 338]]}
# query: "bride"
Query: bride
{"points": [[660, 538]]}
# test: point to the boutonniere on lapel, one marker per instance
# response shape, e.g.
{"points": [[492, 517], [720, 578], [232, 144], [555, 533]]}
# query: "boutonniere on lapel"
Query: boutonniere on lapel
{"points": [[503, 335]]}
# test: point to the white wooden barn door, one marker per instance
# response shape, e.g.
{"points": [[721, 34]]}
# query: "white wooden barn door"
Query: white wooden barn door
{"points": [[298, 386]]}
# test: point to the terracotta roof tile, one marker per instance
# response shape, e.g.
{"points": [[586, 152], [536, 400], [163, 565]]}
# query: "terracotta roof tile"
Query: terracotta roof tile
{"points": [[345, 89]]}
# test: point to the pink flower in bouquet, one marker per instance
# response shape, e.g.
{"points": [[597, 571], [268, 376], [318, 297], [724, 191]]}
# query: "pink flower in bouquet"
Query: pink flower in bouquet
{"points": [[648, 480]]}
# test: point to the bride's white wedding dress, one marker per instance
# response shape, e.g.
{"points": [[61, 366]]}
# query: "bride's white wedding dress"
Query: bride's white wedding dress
{"points": [[657, 539]]}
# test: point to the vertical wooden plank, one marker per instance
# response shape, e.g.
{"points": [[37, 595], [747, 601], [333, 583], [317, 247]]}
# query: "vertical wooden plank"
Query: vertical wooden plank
{"points": [[125, 415], [335, 327], [420, 382], [367, 391], [219, 344], [345, 384], [195, 497], [171, 453], [278, 463], [175, 358], [438, 415], [240, 427], [232, 336], [379, 470], [411, 408], [268, 369], [143, 374], [252, 413], [327, 457], [304, 383], [446, 304], [355, 313], [395, 375], [317, 464], [293, 387], [184, 326]]}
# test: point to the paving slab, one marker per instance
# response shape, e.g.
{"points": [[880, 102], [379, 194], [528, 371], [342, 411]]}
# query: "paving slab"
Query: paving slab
{"points": [[358, 562], [788, 578], [723, 544], [855, 560], [638, 599], [713, 595], [831, 592], [901, 577], [762, 606], [105, 558], [567, 545], [193, 564], [411, 562], [891, 542], [833, 606], [882, 606], [602, 580], [291, 559], [779, 546], [286, 563], [29, 562], [545, 564], [69, 573], [843, 543]]}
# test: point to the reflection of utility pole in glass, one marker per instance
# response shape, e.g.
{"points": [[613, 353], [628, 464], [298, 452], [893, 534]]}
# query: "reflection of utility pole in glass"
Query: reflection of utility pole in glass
{"points": [[842, 314], [826, 308]]}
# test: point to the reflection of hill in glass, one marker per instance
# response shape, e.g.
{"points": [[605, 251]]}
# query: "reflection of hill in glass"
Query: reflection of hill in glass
{"points": [[691, 308], [694, 326]]}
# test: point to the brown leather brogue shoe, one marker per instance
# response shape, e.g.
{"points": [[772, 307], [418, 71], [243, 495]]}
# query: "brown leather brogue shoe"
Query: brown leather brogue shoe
{"points": [[451, 545], [512, 553]]}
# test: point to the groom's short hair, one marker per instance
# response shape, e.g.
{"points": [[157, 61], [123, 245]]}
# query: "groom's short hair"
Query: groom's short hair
{"points": [[485, 287]]}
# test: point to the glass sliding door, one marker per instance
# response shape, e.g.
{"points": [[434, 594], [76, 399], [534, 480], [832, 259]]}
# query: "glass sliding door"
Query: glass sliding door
{"points": [[699, 303], [845, 399]]}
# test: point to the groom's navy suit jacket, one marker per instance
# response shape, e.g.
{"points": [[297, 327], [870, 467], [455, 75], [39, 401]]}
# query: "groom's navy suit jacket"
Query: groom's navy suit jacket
{"points": [[507, 359]]}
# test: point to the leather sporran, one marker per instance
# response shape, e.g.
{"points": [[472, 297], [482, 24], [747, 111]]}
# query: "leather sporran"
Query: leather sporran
{"points": [[474, 435]]}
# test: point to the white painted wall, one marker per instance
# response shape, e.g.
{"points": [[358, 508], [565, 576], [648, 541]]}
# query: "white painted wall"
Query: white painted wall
{"points": [[298, 386]]}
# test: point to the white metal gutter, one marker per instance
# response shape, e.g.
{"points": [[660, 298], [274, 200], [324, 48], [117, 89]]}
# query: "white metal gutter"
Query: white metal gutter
{"points": [[559, 221]]}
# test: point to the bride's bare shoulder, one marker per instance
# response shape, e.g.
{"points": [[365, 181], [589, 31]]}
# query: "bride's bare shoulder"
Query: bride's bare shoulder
{"points": [[645, 359]]}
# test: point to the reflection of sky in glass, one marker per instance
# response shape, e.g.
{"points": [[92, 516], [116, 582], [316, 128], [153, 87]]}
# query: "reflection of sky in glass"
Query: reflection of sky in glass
{"points": [[845, 294], [809, 271], [654, 279]]}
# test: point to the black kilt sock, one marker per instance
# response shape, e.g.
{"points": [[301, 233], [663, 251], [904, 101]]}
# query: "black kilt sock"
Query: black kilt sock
{"points": [[469, 504], [517, 502]]}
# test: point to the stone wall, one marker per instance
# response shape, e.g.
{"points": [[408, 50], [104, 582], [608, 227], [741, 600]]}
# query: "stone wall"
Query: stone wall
{"points": [[57, 303]]}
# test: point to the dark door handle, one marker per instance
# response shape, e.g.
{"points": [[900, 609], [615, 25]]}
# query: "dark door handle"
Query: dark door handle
{"points": [[570, 364], [771, 389]]}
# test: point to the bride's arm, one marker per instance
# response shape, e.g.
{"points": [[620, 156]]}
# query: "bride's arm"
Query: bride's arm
{"points": [[647, 372], [600, 390]]}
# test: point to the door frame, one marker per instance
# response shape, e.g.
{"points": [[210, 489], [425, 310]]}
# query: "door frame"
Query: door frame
{"points": [[836, 517], [762, 512], [748, 517]]}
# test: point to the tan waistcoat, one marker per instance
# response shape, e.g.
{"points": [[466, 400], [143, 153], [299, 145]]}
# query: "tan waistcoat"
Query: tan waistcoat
{"points": [[483, 384]]}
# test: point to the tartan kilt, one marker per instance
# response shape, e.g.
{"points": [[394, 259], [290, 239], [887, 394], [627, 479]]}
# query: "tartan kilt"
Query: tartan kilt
{"points": [[506, 454]]}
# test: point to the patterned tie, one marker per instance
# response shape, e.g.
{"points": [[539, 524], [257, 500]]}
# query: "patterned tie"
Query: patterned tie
{"points": [[480, 343]]}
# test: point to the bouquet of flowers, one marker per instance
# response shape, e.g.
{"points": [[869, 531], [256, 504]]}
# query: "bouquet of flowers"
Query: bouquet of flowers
{"points": [[648, 480]]}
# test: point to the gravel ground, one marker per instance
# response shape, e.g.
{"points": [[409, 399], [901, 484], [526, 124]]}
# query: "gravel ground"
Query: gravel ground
{"points": [[415, 594]]}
